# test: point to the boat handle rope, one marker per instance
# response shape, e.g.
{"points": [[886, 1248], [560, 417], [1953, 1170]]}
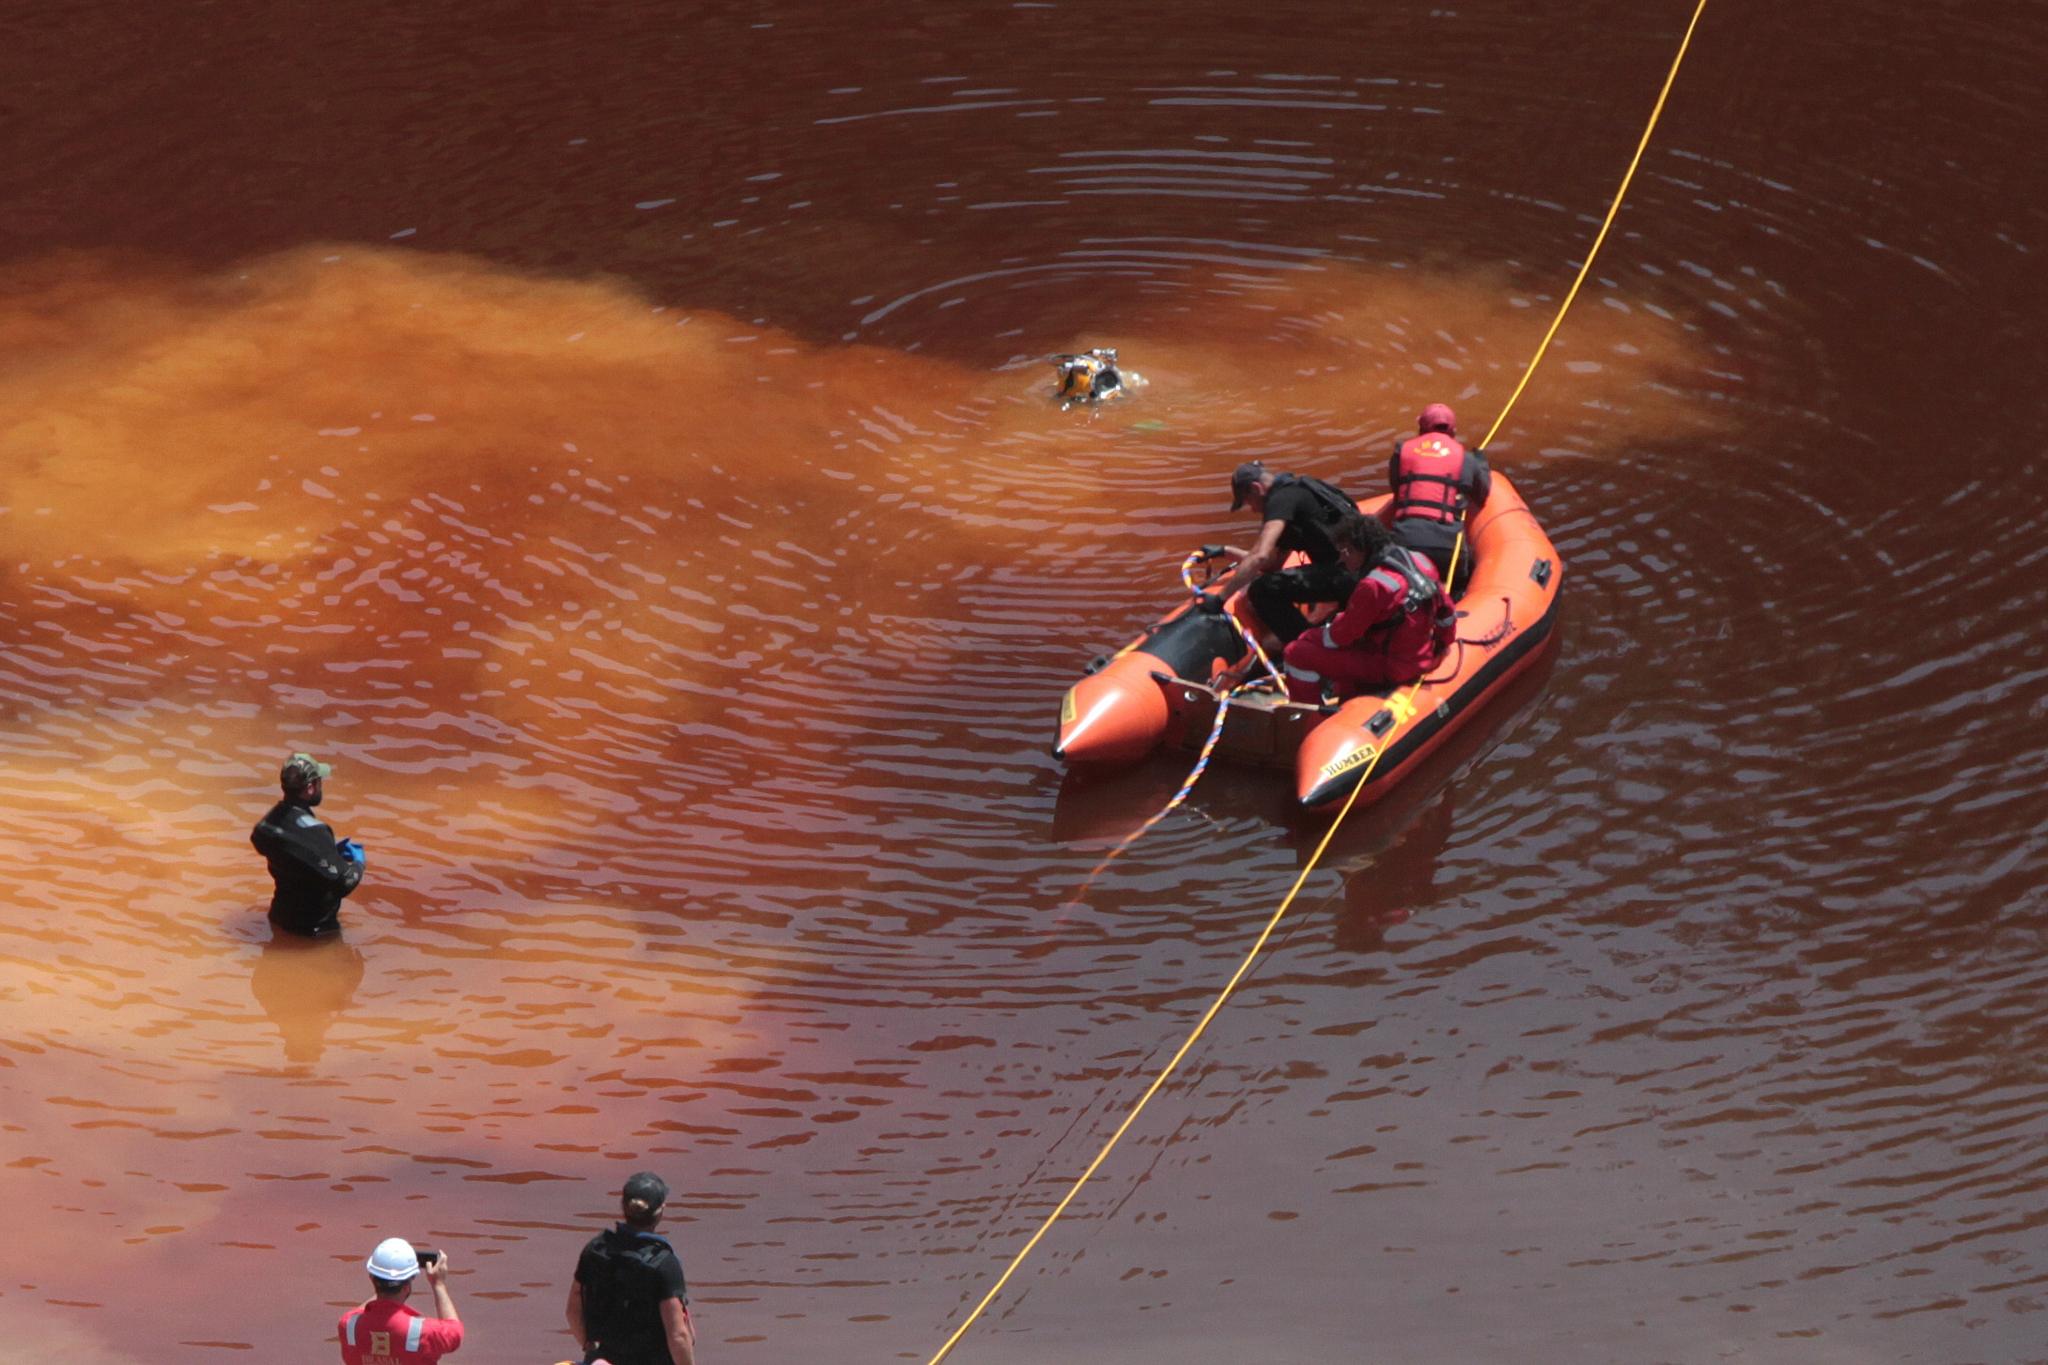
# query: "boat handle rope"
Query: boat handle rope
{"points": [[1301, 878], [1205, 555]]}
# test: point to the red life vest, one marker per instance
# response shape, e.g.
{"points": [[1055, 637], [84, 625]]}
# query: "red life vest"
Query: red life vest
{"points": [[1429, 479]]}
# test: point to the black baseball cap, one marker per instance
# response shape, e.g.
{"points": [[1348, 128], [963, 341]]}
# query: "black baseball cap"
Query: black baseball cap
{"points": [[647, 1188], [1242, 479]]}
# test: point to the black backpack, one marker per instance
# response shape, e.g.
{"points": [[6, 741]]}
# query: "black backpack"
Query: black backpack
{"points": [[1332, 503], [622, 1297], [1334, 500]]}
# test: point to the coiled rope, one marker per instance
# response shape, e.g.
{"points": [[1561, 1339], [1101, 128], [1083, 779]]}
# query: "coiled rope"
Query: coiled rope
{"points": [[1287, 901]]}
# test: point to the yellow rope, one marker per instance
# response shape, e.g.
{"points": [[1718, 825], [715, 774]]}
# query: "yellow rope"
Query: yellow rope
{"points": [[1214, 1008], [1656, 112], [1287, 902]]}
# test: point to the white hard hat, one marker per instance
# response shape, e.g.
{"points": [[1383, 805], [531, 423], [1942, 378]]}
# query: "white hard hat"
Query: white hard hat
{"points": [[394, 1260]]}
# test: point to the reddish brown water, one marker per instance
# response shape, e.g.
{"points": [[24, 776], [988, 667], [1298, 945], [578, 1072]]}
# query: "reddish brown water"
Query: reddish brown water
{"points": [[616, 437]]}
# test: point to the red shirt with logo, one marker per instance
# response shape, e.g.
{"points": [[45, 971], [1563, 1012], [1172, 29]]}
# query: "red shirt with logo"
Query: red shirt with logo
{"points": [[385, 1332]]}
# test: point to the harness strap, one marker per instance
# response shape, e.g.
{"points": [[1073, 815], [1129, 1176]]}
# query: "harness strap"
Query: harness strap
{"points": [[1420, 591]]}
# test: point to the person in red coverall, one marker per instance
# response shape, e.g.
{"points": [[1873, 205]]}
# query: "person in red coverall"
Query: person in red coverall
{"points": [[386, 1332], [1395, 627]]}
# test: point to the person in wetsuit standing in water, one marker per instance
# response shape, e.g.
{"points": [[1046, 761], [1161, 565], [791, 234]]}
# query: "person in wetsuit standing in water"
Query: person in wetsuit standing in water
{"points": [[312, 870]]}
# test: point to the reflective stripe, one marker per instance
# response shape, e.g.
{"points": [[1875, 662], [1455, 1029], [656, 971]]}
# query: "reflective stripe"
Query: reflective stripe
{"points": [[412, 1333], [350, 1336]]}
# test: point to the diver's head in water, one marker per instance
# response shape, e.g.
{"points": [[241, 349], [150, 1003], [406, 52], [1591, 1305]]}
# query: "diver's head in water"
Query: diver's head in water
{"points": [[1437, 417], [303, 778], [1088, 377]]}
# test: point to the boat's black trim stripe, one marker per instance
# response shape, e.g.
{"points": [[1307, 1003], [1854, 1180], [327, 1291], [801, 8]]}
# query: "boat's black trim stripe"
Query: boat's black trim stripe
{"points": [[1443, 713]]}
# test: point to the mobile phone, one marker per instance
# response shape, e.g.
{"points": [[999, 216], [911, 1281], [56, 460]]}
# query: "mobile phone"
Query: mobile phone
{"points": [[427, 1256]]}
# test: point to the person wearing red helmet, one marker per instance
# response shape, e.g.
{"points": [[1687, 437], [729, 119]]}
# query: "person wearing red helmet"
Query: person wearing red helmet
{"points": [[1437, 484]]}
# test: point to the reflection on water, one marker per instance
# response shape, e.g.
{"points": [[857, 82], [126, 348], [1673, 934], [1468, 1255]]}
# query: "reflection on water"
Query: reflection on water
{"points": [[1400, 883], [656, 656], [673, 543], [304, 986]]}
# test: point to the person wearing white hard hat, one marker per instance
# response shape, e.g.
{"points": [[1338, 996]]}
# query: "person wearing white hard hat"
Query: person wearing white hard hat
{"points": [[383, 1331]]}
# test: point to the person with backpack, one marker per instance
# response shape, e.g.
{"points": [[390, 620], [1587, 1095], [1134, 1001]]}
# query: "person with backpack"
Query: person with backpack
{"points": [[628, 1304], [1397, 625], [1296, 513]]}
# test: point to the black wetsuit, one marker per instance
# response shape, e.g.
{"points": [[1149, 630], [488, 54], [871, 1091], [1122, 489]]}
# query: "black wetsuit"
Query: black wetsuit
{"points": [[1311, 509], [311, 873]]}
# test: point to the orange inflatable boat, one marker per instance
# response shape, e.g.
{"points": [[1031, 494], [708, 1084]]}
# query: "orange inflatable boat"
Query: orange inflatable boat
{"points": [[1164, 687]]}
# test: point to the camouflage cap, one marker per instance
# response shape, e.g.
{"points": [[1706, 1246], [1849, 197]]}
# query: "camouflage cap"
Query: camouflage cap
{"points": [[301, 771]]}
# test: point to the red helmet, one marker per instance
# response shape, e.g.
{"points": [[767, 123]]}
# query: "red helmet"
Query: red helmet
{"points": [[1437, 417]]}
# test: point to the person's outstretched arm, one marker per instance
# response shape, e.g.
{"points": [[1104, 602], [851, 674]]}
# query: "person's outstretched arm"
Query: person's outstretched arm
{"points": [[1265, 557]]}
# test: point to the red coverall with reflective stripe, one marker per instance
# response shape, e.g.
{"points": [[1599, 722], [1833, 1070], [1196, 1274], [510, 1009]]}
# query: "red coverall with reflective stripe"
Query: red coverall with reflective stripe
{"points": [[1371, 643]]}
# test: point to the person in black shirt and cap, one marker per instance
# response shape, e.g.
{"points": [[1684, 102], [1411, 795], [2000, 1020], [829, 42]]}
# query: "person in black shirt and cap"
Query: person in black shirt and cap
{"points": [[1296, 513], [628, 1304], [311, 868]]}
